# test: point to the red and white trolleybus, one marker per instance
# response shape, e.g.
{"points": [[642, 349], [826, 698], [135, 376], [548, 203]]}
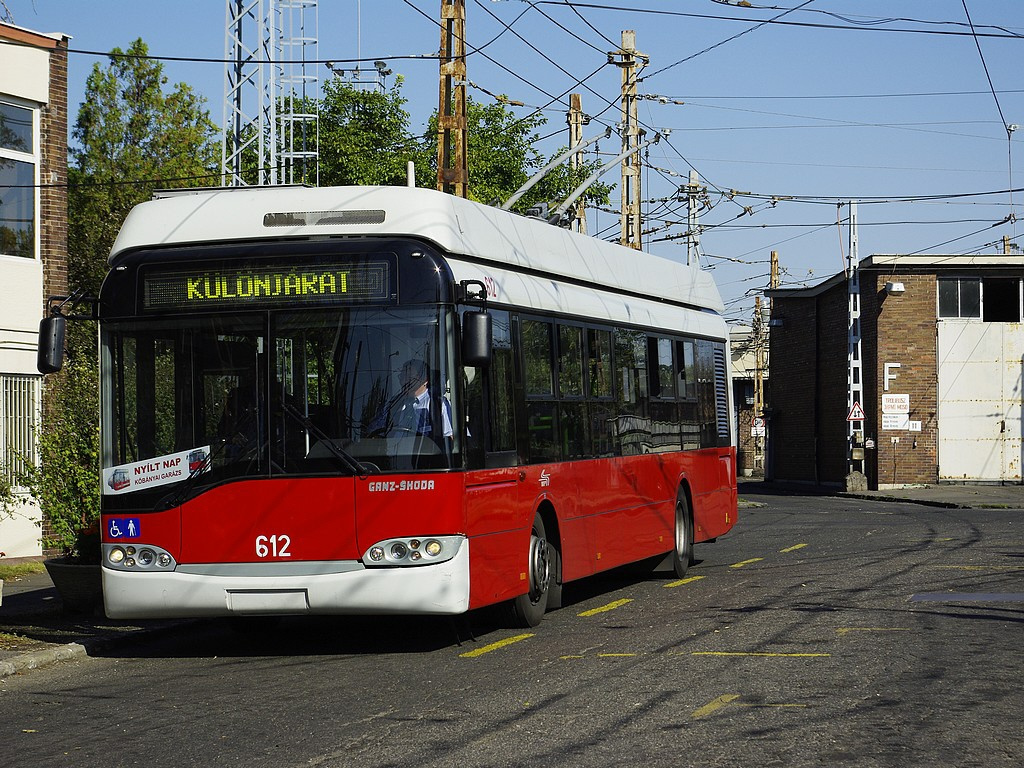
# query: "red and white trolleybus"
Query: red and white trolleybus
{"points": [[572, 396]]}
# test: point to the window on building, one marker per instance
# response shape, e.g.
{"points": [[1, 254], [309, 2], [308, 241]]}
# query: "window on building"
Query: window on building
{"points": [[960, 297], [19, 413], [17, 181], [991, 299], [1000, 300]]}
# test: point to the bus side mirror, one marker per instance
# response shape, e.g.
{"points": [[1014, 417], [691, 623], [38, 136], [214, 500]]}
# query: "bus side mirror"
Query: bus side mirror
{"points": [[51, 343], [476, 338]]}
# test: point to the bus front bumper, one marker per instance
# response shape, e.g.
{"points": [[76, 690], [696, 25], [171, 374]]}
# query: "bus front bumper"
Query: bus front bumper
{"points": [[267, 589]]}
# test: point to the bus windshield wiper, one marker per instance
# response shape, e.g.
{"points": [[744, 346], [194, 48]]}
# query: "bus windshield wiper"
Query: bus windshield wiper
{"points": [[340, 453], [189, 484]]}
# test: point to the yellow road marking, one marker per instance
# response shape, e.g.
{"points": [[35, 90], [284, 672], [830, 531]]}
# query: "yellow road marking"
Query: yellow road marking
{"points": [[794, 548], [760, 653], [714, 705], [615, 655], [572, 656], [746, 562], [494, 646], [846, 630], [687, 580], [610, 607]]}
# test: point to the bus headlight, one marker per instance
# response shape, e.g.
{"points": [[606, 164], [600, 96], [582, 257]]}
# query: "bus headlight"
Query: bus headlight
{"points": [[399, 550], [413, 551], [137, 558]]}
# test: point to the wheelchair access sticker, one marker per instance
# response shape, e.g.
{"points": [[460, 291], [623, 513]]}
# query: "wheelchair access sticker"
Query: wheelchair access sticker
{"points": [[124, 527]]}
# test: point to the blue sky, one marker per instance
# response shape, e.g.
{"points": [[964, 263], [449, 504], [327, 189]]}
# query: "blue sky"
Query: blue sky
{"points": [[842, 101]]}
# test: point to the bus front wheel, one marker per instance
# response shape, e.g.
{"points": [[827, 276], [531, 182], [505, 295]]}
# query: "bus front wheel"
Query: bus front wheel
{"points": [[682, 552], [527, 610]]}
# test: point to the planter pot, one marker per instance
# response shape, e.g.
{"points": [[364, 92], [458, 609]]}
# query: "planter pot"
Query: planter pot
{"points": [[79, 585]]}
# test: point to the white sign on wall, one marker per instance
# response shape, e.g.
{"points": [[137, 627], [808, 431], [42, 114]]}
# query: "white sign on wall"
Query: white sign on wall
{"points": [[895, 403], [895, 421]]}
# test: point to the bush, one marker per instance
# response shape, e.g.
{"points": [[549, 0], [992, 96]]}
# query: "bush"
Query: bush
{"points": [[66, 483]]}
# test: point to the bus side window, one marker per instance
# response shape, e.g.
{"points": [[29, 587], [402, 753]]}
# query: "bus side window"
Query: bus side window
{"points": [[490, 416], [632, 430], [541, 407], [500, 374]]}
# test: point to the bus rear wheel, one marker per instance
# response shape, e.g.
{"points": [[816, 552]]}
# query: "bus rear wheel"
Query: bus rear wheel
{"points": [[528, 610], [682, 552]]}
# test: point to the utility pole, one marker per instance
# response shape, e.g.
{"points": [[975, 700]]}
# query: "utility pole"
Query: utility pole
{"points": [[761, 313], [627, 61], [576, 120], [693, 191], [452, 167]]}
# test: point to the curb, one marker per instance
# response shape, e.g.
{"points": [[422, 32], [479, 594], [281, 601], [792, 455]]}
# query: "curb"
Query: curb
{"points": [[43, 658], [904, 500]]}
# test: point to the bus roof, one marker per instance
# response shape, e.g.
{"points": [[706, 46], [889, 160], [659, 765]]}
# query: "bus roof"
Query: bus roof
{"points": [[460, 227]]}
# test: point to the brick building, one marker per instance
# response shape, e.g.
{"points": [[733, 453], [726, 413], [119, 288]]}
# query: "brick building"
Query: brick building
{"points": [[33, 243], [942, 351]]}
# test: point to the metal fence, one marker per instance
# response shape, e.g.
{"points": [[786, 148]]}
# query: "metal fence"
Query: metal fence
{"points": [[19, 421]]}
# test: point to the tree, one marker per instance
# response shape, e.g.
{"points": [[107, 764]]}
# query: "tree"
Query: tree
{"points": [[502, 156], [132, 138], [365, 137]]}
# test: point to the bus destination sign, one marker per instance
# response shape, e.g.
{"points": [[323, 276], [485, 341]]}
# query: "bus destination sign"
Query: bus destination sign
{"points": [[267, 286]]}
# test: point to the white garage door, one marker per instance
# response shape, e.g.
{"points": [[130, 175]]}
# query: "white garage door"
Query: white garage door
{"points": [[980, 377]]}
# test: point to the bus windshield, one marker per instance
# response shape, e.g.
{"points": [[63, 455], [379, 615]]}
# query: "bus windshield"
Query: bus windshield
{"points": [[283, 393]]}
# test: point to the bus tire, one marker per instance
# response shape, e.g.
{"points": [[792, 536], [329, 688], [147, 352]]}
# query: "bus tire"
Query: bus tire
{"points": [[528, 610], [682, 551]]}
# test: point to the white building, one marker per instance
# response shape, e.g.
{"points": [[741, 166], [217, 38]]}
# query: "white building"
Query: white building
{"points": [[33, 245]]}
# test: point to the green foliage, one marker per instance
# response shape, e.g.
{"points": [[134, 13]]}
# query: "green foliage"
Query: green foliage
{"points": [[364, 136], [66, 482], [17, 570], [133, 138], [503, 157]]}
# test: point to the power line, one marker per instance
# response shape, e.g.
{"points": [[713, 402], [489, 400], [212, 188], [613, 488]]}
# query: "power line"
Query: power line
{"points": [[728, 39], [1004, 34]]}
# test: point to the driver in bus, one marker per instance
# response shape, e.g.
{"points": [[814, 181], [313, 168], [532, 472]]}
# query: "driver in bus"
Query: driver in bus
{"points": [[413, 411]]}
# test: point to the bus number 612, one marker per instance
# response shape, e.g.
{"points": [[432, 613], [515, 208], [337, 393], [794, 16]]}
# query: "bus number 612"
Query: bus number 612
{"points": [[273, 546]]}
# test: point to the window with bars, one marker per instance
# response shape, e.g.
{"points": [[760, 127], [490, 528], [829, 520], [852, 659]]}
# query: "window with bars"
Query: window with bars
{"points": [[18, 420]]}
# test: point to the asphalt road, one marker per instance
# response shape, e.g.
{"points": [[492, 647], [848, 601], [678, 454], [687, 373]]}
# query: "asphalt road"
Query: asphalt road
{"points": [[821, 632]]}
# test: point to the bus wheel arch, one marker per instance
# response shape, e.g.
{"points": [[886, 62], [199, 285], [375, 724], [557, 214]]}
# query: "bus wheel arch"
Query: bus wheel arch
{"points": [[554, 536], [681, 556], [542, 571]]}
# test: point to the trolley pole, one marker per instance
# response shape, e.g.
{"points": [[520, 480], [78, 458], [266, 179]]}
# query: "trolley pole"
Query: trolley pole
{"points": [[627, 61], [452, 125]]}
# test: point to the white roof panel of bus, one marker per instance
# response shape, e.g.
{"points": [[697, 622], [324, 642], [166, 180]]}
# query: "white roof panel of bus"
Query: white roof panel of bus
{"points": [[458, 226]]}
